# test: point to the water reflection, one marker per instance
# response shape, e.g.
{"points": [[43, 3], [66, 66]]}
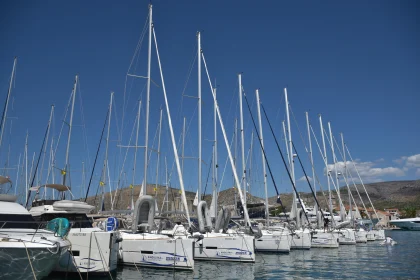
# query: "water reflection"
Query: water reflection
{"points": [[363, 261]]}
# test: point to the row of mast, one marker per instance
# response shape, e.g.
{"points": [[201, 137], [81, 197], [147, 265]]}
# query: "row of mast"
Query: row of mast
{"points": [[241, 184]]}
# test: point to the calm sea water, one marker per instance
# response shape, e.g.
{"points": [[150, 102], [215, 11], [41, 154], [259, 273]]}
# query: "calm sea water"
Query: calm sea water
{"points": [[363, 261]]}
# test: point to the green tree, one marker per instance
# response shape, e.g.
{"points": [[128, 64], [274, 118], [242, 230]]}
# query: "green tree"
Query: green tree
{"points": [[409, 212]]}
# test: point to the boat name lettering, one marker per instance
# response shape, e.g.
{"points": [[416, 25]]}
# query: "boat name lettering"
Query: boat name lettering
{"points": [[78, 234], [241, 253], [176, 259]]}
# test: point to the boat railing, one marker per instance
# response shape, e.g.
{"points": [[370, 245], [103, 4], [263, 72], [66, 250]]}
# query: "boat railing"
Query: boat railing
{"points": [[27, 227]]}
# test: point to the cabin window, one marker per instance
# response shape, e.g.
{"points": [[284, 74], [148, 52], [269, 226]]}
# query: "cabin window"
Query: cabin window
{"points": [[75, 253], [17, 221], [76, 220]]}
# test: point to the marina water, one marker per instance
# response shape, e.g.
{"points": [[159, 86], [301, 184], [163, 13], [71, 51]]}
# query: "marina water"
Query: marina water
{"points": [[363, 261]]}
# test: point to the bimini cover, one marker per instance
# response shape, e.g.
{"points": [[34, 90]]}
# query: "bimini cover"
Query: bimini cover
{"points": [[342, 224], [58, 187], [73, 206], [4, 180], [60, 226], [8, 197]]}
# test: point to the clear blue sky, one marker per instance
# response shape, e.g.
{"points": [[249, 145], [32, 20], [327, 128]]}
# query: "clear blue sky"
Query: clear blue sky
{"points": [[357, 63]]}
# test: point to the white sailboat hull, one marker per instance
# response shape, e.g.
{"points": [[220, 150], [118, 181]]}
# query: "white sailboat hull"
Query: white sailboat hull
{"points": [[155, 250], [301, 240], [274, 241], [92, 251], [346, 237], [361, 236], [370, 235], [224, 247], [380, 234], [322, 239]]}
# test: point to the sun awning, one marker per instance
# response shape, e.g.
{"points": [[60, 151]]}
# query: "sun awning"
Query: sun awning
{"points": [[58, 187], [4, 180]]}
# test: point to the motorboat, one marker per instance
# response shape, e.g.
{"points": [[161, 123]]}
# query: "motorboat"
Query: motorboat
{"points": [[407, 224], [27, 249], [94, 250]]}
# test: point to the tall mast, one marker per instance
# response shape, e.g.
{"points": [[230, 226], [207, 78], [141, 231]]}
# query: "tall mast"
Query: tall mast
{"points": [[291, 160], [175, 150], [26, 168], [215, 165], [257, 94], [328, 172], [342, 215], [235, 160], [82, 185], [199, 114], [45, 149], [9, 92], [104, 170], [146, 133], [17, 174], [135, 155], [183, 144], [241, 119], [52, 166], [345, 174], [70, 128], [293, 210], [312, 161], [251, 146], [247, 221], [236, 156], [167, 187], [158, 155], [285, 141]]}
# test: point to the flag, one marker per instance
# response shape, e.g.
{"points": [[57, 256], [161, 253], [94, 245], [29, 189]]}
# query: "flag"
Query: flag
{"points": [[131, 186], [101, 183], [63, 172]]}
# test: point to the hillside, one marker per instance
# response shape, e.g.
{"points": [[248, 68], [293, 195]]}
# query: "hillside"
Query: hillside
{"points": [[392, 194]]}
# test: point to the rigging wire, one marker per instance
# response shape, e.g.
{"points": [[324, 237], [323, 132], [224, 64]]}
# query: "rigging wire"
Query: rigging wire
{"points": [[265, 156], [96, 157]]}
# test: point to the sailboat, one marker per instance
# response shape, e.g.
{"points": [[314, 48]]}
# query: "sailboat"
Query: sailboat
{"points": [[140, 245], [216, 243], [277, 239], [302, 236]]}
